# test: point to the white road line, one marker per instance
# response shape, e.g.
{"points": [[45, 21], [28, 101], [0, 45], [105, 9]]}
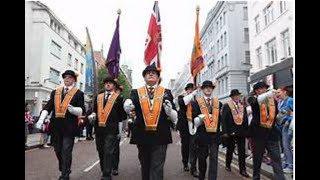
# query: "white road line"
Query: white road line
{"points": [[90, 167], [95, 163]]}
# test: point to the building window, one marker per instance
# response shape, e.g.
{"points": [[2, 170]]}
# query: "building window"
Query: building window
{"points": [[247, 57], [219, 64], [218, 46], [245, 13], [225, 39], [222, 62], [286, 43], [81, 86], [54, 76], [217, 26], [271, 51], [69, 59], [283, 6], [51, 23], [220, 22], [222, 90], [246, 35], [224, 18], [55, 49], [76, 61], [257, 23], [259, 57], [225, 59], [59, 29], [81, 68], [221, 41], [268, 14], [226, 84]]}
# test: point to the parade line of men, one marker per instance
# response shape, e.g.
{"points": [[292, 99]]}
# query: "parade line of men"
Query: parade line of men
{"points": [[204, 123]]}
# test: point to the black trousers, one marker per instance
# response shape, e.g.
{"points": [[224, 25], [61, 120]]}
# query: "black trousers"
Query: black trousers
{"points": [[106, 144], [63, 146], [273, 148], [152, 158], [116, 155], [210, 150], [89, 128], [185, 141], [241, 151], [193, 153]]}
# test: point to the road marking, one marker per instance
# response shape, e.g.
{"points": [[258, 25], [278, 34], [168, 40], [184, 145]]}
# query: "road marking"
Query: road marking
{"points": [[95, 163]]}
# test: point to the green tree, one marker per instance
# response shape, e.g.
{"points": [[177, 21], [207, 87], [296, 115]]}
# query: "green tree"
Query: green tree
{"points": [[122, 80]]}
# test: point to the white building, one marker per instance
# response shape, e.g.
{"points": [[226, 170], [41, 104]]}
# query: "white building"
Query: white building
{"points": [[225, 45], [50, 49], [271, 38]]}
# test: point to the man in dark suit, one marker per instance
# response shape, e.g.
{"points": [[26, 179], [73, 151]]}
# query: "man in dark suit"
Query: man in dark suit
{"points": [[206, 116], [153, 107], [67, 104], [234, 127], [264, 130], [108, 115], [187, 146]]}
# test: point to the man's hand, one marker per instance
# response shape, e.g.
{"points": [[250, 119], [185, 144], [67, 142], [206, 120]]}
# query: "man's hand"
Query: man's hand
{"points": [[77, 111], [43, 115], [92, 117], [128, 106], [167, 107]]}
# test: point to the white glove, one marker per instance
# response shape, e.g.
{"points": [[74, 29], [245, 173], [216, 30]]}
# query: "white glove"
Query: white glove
{"points": [[192, 130], [167, 107], [43, 115], [120, 130], [77, 111], [189, 97], [201, 117], [47, 120], [130, 120], [128, 106], [92, 117], [197, 122], [263, 96]]}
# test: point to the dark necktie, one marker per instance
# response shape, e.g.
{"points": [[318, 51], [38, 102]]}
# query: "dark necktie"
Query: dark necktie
{"points": [[66, 91], [106, 98], [151, 92], [209, 105]]}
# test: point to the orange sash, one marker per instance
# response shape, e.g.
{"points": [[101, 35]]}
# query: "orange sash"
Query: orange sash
{"points": [[237, 116], [103, 113], [151, 114], [266, 120], [210, 123], [189, 112], [61, 107]]}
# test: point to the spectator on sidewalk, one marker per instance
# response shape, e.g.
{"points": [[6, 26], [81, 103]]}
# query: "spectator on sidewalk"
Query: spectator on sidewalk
{"points": [[89, 125], [286, 110], [45, 132], [28, 119]]}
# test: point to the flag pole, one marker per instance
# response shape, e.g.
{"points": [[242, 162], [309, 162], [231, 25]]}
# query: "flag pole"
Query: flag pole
{"points": [[93, 67], [195, 77]]}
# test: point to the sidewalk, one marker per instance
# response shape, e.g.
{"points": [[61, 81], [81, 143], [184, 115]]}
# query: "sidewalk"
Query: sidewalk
{"points": [[33, 141], [266, 170]]}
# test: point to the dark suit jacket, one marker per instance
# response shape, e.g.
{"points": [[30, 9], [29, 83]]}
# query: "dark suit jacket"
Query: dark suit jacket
{"points": [[117, 114], [255, 130], [142, 137], [67, 126], [228, 124], [204, 137], [182, 124]]}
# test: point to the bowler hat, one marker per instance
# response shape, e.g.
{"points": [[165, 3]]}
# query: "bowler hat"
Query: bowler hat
{"points": [[109, 79], [188, 86], [207, 83], [259, 85], [234, 92], [150, 68], [71, 73]]}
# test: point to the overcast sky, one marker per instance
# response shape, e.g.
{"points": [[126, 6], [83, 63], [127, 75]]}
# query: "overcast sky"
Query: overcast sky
{"points": [[177, 23]]}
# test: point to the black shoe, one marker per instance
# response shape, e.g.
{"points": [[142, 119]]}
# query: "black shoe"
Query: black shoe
{"points": [[228, 169], [115, 172], [244, 174], [186, 168], [195, 174]]}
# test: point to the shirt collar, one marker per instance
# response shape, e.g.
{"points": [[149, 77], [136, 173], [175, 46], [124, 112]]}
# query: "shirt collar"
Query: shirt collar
{"points": [[206, 97], [69, 87], [154, 86], [106, 92]]}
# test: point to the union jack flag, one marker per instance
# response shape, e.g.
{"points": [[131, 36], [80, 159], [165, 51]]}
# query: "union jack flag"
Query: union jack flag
{"points": [[153, 41]]}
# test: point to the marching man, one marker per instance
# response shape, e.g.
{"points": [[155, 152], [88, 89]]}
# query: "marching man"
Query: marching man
{"points": [[206, 116], [67, 104], [108, 114], [155, 112]]}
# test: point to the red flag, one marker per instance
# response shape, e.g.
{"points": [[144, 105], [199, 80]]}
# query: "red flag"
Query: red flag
{"points": [[153, 42]]}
